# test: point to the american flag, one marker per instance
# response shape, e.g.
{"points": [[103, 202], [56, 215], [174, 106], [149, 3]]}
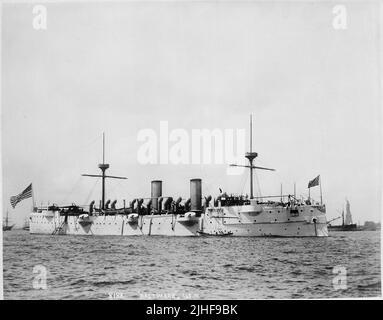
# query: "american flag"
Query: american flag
{"points": [[27, 193], [314, 182]]}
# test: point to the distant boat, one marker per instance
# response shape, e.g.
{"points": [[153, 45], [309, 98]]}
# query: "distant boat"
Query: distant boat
{"points": [[6, 226], [26, 224], [347, 224]]}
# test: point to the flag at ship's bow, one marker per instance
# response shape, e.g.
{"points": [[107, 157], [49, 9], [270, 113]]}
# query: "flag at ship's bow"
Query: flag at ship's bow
{"points": [[27, 193], [314, 182]]}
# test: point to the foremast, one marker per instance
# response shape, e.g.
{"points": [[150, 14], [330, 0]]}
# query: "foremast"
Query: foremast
{"points": [[103, 167], [250, 156]]}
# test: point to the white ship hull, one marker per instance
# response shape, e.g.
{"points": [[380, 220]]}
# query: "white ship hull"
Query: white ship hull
{"points": [[247, 220]]}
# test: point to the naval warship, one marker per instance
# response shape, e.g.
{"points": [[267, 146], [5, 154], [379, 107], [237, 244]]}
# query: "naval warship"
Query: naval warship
{"points": [[224, 215]]}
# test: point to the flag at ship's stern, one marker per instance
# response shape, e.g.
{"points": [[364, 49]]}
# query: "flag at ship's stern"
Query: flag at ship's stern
{"points": [[27, 193], [314, 182]]}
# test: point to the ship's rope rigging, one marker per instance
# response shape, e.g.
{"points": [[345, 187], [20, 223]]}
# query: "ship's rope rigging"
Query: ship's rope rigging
{"points": [[79, 180], [111, 192], [91, 191], [75, 186], [259, 193], [243, 184], [84, 148], [209, 186]]}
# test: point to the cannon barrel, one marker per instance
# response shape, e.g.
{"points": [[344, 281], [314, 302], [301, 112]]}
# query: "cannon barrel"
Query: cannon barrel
{"points": [[168, 203], [91, 207], [207, 201], [160, 199]]}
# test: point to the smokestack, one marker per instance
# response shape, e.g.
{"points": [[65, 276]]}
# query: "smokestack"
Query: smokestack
{"points": [[196, 194], [156, 192]]}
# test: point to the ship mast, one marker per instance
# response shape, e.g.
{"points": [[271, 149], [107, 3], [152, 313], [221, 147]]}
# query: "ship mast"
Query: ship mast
{"points": [[103, 167], [251, 156]]}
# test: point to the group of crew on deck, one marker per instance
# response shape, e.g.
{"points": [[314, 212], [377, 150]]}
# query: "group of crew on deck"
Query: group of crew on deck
{"points": [[169, 205]]}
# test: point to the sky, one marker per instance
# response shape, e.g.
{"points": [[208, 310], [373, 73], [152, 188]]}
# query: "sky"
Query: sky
{"points": [[123, 67]]}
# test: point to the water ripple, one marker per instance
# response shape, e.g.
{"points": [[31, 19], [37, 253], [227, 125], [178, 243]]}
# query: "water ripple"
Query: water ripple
{"points": [[202, 268]]}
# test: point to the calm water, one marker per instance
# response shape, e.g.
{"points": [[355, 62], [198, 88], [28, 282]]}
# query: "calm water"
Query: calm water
{"points": [[199, 268]]}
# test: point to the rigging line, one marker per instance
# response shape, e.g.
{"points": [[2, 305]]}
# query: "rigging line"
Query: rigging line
{"points": [[245, 182], [92, 142], [92, 190], [208, 185], [72, 190], [111, 192], [85, 146], [119, 183], [258, 185]]}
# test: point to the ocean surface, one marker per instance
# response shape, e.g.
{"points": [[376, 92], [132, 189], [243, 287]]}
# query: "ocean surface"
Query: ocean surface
{"points": [[346, 264]]}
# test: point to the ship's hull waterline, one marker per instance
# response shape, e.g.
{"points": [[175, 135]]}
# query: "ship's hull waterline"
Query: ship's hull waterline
{"points": [[226, 221]]}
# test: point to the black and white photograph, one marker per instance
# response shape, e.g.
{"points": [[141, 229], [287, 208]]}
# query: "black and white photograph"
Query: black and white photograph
{"points": [[191, 150]]}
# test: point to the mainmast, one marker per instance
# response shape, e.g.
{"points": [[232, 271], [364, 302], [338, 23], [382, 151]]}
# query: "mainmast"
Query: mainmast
{"points": [[251, 156], [103, 167]]}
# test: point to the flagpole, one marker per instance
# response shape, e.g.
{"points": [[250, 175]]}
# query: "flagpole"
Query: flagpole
{"points": [[33, 200], [281, 193], [320, 187]]}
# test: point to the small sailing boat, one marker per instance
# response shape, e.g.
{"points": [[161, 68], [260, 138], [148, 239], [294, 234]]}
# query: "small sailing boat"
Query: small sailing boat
{"points": [[6, 226], [26, 224], [347, 224]]}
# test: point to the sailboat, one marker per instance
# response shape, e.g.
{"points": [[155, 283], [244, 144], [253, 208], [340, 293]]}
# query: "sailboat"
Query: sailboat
{"points": [[6, 226], [26, 224], [347, 224]]}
